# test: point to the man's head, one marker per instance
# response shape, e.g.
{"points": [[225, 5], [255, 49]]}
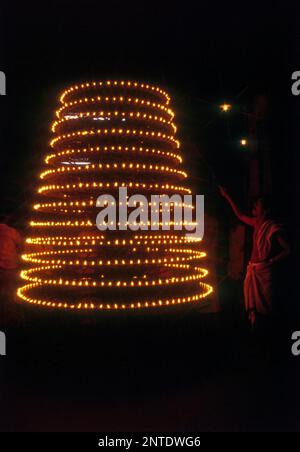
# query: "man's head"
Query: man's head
{"points": [[262, 207]]}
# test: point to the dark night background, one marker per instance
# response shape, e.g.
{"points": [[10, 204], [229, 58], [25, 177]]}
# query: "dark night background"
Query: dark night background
{"points": [[203, 53]]}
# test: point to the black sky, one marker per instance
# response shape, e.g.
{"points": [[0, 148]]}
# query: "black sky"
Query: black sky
{"points": [[202, 52]]}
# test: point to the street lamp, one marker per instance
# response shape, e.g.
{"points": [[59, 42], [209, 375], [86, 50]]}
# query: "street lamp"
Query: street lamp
{"points": [[225, 108]]}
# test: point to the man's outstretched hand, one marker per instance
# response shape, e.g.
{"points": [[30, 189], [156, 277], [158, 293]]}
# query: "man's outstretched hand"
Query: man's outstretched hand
{"points": [[223, 191]]}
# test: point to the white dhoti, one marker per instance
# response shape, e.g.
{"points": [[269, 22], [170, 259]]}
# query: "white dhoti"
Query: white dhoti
{"points": [[258, 281], [258, 290]]}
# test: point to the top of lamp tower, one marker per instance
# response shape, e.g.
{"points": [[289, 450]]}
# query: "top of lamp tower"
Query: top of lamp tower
{"points": [[118, 84]]}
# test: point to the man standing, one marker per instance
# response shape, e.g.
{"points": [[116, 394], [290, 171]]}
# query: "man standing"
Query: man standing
{"points": [[269, 247]]}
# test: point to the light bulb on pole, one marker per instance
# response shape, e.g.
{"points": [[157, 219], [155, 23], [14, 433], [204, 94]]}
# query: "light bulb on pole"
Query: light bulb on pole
{"points": [[225, 108]]}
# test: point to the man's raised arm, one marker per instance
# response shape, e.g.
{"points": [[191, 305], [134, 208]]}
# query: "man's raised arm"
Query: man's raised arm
{"points": [[242, 217]]}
